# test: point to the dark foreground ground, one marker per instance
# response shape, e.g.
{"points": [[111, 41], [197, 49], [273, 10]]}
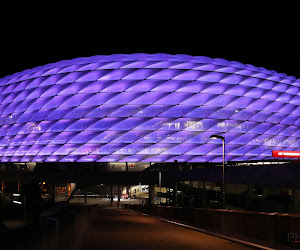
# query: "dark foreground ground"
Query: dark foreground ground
{"points": [[122, 229]]}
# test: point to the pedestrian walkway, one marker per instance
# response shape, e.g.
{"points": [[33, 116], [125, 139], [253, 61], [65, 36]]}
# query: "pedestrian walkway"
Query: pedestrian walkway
{"points": [[106, 202], [122, 229], [12, 224]]}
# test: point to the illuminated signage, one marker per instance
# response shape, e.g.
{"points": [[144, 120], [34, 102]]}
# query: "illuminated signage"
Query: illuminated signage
{"points": [[286, 154]]}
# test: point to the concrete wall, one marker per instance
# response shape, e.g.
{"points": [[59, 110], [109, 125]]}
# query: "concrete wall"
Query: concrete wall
{"points": [[271, 229], [62, 231]]}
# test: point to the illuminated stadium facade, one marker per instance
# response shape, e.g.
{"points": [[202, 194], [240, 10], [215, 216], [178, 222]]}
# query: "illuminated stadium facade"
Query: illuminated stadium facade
{"points": [[147, 108]]}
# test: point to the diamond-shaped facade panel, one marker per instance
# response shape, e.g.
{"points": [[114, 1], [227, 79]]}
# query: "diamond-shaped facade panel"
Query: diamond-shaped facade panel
{"points": [[147, 108]]}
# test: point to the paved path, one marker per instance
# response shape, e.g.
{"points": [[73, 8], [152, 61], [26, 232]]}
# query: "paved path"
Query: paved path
{"points": [[122, 229]]}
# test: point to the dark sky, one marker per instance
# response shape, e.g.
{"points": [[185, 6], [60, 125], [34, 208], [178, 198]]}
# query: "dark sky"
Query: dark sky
{"points": [[260, 37]]}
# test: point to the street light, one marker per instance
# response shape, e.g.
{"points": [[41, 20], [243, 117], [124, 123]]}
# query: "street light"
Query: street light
{"points": [[213, 137]]}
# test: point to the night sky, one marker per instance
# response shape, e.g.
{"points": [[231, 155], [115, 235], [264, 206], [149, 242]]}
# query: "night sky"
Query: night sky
{"points": [[260, 37]]}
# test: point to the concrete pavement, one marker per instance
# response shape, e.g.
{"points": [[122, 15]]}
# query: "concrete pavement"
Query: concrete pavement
{"points": [[122, 229]]}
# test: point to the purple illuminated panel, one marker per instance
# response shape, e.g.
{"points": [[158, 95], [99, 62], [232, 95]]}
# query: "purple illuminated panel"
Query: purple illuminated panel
{"points": [[147, 108]]}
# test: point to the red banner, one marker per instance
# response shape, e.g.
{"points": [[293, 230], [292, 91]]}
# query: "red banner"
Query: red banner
{"points": [[286, 154]]}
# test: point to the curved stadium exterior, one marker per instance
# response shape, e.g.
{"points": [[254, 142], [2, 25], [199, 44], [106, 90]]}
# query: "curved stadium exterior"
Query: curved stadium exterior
{"points": [[147, 108]]}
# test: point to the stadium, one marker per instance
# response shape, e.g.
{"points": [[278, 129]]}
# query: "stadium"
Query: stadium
{"points": [[147, 108]]}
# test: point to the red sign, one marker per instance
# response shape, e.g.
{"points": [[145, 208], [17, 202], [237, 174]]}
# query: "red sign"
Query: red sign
{"points": [[286, 154]]}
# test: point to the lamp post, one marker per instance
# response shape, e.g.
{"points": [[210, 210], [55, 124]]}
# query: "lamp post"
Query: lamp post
{"points": [[223, 179]]}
